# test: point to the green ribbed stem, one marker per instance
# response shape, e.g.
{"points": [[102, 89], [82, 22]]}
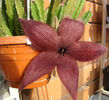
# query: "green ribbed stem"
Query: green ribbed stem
{"points": [[10, 12], [70, 8], [79, 9], [78, 3], [20, 9], [84, 15], [62, 12], [35, 11], [40, 7], [87, 18], [3, 27], [55, 7]]}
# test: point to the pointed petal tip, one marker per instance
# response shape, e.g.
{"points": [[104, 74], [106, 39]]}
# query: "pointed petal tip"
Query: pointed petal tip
{"points": [[68, 73], [41, 65], [104, 49], [73, 28], [87, 51]]}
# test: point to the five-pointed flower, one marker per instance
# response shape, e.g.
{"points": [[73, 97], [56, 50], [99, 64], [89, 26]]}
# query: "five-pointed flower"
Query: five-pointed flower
{"points": [[58, 49]]}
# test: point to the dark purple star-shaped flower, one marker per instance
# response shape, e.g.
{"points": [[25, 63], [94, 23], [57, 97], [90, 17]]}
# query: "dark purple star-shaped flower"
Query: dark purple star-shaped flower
{"points": [[58, 49]]}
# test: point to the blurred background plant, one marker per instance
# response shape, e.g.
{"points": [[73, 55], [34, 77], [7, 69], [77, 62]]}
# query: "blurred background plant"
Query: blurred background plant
{"points": [[11, 10]]}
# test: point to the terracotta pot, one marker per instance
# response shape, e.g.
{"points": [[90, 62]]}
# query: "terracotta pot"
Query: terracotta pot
{"points": [[15, 55]]}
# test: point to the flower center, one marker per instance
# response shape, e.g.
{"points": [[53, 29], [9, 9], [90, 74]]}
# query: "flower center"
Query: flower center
{"points": [[62, 50]]}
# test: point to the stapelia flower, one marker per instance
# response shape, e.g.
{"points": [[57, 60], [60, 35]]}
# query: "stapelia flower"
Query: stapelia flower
{"points": [[58, 49]]}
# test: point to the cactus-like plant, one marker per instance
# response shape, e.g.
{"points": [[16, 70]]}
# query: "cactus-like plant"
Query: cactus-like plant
{"points": [[9, 13], [11, 10]]}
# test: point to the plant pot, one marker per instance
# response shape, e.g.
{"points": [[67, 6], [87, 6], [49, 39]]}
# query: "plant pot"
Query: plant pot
{"points": [[106, 78], [15, 55]]}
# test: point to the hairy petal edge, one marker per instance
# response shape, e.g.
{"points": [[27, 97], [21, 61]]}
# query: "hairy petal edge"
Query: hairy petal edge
{"points": [[42, 36], [70, 30], [86, 51], [68, 72], [41, 65]]}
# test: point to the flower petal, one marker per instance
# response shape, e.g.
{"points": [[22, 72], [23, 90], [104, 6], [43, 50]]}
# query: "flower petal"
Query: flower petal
{"points": [[42, 36], [86, 51], [68, 72], [39, 66], [71, 30]]}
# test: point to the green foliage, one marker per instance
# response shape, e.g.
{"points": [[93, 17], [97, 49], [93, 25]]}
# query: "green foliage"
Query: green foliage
{"points": [[61, 12], [55, 6], [23, 2], [70, 8], [86, 17], [17, 27], [3, 27], [46, 14], [79, 9], [49, 16], [19, 12], [1, 34], [55, 22], [34, 11], [40, 7], [20, 9], [52, 11], [10, 13], [4, 14], [78, 3], [11, 10]]}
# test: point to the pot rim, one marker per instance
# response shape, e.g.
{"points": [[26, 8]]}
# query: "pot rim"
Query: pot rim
{"points": [[13, 40]]}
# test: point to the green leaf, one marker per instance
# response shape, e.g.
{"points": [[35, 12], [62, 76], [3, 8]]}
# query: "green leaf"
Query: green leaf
{"points": [[17, 28], [1, 33], [85, 15], [87, 18], [70, 8], [23, 2], [55, 23], [79, 9], [49, 16], [52, 10], [10, 13], [35, 11], [58, 12], [62, 13], [55, 6], [78, 3], [3, 27], [4, 14], [20, 9], [40, 6], [45, 14]]}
